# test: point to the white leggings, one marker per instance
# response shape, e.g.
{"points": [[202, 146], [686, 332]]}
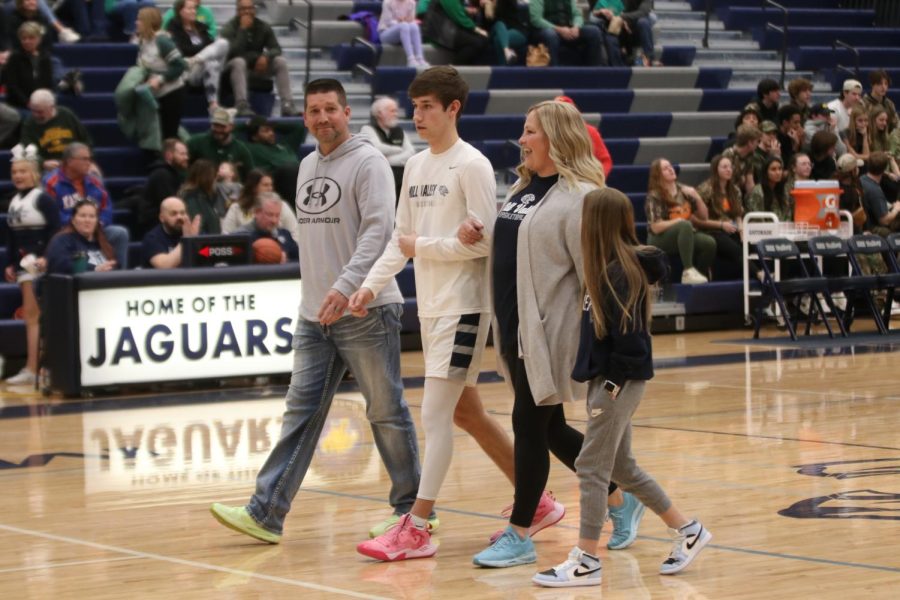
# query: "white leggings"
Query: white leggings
{"points": [[438, 406]]}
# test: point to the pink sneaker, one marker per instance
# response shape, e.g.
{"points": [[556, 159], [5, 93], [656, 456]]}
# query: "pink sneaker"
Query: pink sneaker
{"points": [[401, 542], [549, 512]]}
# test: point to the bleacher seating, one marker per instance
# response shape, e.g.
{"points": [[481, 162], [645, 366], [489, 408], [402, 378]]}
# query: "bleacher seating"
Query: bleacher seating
{"points": [[682, 112]]}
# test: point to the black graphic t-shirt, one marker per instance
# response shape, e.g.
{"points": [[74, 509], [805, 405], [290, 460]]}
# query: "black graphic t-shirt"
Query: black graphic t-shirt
{"points": [[506, 235]]}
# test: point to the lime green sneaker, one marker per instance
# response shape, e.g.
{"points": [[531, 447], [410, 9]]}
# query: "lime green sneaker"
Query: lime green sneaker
{"points": [[433, 524], [238, 519]]}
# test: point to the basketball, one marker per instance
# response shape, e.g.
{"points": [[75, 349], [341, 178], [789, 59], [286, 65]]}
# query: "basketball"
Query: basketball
{"points": [[266, 251]]}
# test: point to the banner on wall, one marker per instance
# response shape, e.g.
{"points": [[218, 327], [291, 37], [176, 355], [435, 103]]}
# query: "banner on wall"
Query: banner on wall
{"points": [[179, 332]]}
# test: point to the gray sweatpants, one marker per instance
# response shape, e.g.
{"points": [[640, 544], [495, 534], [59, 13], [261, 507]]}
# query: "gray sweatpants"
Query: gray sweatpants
{"points": [[606, 454]]}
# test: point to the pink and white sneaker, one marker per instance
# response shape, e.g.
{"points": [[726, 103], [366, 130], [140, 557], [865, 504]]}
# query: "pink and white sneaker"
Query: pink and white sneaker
{"points": [[549, 512], [402, 542]]}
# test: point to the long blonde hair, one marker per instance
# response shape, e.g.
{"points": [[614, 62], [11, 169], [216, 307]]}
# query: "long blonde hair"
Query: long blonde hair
{"points": [[608, 236], [570, 146]]}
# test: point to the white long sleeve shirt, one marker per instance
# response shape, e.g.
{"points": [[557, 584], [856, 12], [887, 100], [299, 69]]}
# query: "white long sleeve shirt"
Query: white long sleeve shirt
{"points": [[439, 192]]}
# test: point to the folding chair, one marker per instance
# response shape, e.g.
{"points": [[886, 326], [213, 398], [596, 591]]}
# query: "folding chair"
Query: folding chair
{"points": [[893, 241], [855, 286], [796, 286], [870, 244]]}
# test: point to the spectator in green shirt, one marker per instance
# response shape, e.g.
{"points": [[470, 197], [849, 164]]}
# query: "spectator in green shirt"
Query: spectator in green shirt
{"points": [[559, 23], [278, 159], [51, 128], [219, 144]]}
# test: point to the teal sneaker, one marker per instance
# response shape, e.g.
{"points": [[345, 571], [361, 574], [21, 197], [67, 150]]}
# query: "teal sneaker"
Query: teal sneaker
{"points": [[625, 519], [380, 528], [508, 550], [238, 519]]}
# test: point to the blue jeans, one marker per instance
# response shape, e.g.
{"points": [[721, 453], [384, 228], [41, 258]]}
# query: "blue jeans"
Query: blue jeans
{"points": [[643, 31], [118, 238], [370, 348], [589, 44]]}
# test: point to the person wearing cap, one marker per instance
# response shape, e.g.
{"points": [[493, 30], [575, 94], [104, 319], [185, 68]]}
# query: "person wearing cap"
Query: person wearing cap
{"points": [[749, 115], [768, 93], [851, 95], [219, 144], [800, 90], [600, 151], [882, 215], [255, 54], [879, 81], [385, 133], [769, 147], [821, 118]]}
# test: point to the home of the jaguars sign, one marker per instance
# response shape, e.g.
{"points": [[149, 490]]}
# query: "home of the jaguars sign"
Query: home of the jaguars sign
{"points": [[186, 332]]}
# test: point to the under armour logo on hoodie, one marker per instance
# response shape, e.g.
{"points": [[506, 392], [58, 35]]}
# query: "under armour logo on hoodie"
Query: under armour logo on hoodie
{"points": [[319, 195]]}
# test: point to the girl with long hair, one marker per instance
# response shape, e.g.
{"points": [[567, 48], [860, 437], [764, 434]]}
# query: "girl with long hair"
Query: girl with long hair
{"points": [[880, 139], [856, 136], [32, 219], [615, 358], [725, 210], [199, 195], [150, 96], [536, 281], [81, 245], [771, 195], [672, 210]]}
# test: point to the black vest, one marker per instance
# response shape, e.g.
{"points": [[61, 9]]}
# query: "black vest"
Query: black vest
{"points": [[394, 137]]}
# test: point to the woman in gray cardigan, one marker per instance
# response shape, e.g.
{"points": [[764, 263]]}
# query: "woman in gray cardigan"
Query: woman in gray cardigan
{"points": [[537, 294]]}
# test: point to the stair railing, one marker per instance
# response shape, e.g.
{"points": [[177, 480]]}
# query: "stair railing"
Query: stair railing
{"points": [[296, 24], [709, 8], [855, 72], [783, 30]]}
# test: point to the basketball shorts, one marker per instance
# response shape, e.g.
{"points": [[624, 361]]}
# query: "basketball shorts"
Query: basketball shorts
{"points": [[453, 345]]}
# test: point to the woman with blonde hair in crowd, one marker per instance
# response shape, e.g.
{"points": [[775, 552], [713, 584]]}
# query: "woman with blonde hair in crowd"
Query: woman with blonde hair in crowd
{"points": [[32, 218], [672, 210], [856, 136], [150, 96], [536, 281]]}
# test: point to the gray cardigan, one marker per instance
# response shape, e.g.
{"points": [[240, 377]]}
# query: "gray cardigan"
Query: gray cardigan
{"points": [[549, 284]]}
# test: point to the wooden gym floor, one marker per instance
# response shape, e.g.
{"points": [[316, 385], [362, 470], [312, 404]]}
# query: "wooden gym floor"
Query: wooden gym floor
{"points": [[790, 457]]}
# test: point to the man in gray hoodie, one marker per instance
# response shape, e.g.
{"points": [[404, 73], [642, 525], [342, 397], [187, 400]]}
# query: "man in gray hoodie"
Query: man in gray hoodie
{"points": [[345, 210]]}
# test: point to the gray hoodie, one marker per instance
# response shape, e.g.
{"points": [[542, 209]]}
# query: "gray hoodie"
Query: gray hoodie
{"points": [[345, 216]]}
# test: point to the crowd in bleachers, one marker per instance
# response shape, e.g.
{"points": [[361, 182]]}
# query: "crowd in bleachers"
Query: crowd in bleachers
{"points": [[225, 177]]}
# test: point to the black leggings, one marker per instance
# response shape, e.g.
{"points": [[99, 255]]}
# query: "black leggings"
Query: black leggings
{"points": [[537, 429], [170, 110]]}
